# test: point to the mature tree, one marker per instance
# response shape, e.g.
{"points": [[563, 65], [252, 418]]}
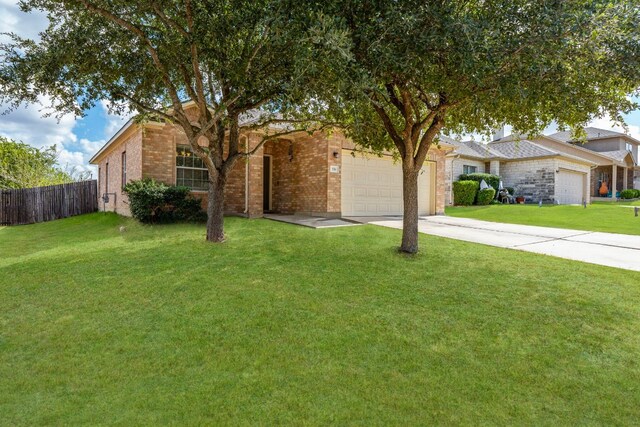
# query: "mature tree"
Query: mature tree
{"points": [[420, 68], [228, 57], [24, 166]]}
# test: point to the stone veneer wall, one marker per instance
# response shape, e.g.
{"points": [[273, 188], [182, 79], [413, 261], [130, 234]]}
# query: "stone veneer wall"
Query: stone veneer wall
{"points": [[132, 145], [532, 179]]}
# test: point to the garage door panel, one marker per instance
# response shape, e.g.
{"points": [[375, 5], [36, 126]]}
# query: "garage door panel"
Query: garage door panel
{"points": [[380, 192], [570, 187]]}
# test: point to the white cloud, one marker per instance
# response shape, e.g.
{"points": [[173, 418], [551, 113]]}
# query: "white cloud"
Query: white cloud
{"points": [[12, 19], [114, 121], [28, 125]]}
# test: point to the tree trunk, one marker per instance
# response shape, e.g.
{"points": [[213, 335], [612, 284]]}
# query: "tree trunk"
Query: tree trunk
{"points": [[410, 218], [215, 207]]}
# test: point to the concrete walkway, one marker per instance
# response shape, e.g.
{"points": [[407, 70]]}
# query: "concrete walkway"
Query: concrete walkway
{"points": [[613, 250]]}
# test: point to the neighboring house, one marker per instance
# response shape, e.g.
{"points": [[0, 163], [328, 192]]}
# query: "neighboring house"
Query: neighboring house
{"points": [[318, 175], [537, 173], [615, 154]]}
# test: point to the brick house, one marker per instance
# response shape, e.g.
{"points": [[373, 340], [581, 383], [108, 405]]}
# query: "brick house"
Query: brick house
{"points": [[319, 174]]}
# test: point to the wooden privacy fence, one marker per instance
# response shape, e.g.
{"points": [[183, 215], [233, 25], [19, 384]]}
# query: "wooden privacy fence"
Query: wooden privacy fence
{"points": [[30, 205]]}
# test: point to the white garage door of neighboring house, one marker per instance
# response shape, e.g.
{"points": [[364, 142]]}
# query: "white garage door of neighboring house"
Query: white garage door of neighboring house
{"points": [[373, 186], [570, 187]]}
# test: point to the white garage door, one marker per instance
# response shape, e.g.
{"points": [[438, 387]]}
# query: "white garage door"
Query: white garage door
{"points": [[373, 186], [570, 187]]}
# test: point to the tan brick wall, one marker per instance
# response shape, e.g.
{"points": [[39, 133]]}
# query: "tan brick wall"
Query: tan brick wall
{"points": [[438, 156], [159, 162], [301, 180], [131, 144]]}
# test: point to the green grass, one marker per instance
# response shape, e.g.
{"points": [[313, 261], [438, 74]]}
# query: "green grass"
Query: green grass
{"points": [[601, 216], [289, 325]]}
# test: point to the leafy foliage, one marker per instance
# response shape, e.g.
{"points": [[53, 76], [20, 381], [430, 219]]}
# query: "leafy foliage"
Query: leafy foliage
{"points": [[417, 69], [239, 64], [464, 192], [24, 166], [154, 202], [629, 193], [485, 197], [492, 180]]}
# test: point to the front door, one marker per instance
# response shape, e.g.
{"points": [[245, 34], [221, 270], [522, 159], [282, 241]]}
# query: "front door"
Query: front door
{"points": [[266, 184]]}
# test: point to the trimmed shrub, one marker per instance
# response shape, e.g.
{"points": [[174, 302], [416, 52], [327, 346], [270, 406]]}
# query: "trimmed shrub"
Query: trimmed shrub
{"points": [[492, 180], [637, 193], [628, 194], [464, 192], [154, 202], [485, 196], [511, 190]]}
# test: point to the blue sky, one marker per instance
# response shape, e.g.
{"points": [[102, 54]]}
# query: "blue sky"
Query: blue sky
{"points": [[77, 139]]}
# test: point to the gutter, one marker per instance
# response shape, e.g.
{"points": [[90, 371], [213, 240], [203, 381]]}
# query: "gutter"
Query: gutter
{"points": [[122, 130]]}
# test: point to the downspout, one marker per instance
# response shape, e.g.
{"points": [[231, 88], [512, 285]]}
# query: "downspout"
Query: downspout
{"points": [[246, 177]]}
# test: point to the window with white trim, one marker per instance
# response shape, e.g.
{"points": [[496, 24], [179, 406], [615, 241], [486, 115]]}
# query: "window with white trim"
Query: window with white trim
{"points": [[466, 169], [190, 170], [629, 147]]}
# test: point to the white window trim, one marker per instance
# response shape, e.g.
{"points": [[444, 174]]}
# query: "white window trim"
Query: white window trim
{"points": [[193, 190]]}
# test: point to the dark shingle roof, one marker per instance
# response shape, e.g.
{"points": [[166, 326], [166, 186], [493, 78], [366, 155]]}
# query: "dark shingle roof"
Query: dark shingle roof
{"points": [[618, 155], [474, 149], [592, 133], [521, 149]]}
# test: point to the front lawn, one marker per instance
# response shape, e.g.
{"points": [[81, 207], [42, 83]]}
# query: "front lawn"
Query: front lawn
{"points": [[290, 325], [600, 216]]}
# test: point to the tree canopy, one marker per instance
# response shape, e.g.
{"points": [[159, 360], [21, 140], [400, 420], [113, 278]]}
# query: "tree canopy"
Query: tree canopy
{"points": [[418, 69], [24, 166], [227, 58]]}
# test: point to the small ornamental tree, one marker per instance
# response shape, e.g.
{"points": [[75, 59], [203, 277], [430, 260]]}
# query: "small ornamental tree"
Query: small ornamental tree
{"points": [[419, 68], [227, 57]]}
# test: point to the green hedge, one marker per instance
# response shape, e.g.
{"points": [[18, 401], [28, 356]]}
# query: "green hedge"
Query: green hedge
{"points": [[492, 180], [629, 194], [485, 196], [154, 202], [464, 192]]}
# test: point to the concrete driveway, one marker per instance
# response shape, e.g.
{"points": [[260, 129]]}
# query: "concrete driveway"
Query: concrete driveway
{"points": [[613, 250]]}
